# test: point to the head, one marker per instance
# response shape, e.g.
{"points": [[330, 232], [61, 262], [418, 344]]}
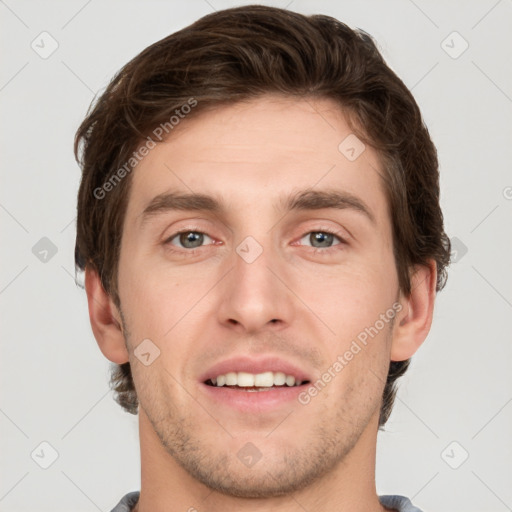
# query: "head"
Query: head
{"points": [[259, 108]]}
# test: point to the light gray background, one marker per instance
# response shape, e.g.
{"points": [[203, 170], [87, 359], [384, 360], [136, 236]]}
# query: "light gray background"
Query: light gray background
{"points": [[54, 380]]}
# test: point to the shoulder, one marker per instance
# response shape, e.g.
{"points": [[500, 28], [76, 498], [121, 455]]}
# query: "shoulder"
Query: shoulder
{"points": [[398, 503], [127, 502]]}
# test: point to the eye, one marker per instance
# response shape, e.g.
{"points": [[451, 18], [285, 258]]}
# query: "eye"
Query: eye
{"points": [[322, 239], [188, 239]]}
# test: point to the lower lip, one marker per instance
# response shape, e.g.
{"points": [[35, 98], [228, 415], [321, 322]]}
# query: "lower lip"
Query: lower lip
{"points": [[253, 401]]}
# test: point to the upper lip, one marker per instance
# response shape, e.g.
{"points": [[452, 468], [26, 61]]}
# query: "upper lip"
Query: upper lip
{"points": [[255, 365]]}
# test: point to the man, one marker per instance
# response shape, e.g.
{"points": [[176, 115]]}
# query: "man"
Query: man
{"points": [[259, 225]]}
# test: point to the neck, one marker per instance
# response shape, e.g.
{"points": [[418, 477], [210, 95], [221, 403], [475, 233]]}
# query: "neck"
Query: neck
{"points": [[166, 486]]}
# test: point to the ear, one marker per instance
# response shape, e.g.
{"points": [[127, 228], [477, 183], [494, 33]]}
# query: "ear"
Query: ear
{"points": [[413, 323], [105, 319]]}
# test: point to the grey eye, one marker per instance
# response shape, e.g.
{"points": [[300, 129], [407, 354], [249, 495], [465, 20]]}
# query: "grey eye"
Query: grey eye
{"points": [[320, 239], [189, 239]]}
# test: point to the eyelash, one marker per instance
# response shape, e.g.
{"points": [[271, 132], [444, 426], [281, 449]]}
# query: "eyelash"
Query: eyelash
{"points": [[315, 250]]}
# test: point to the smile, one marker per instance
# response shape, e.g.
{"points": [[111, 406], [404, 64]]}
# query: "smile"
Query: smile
{"points": [[254, 382]]}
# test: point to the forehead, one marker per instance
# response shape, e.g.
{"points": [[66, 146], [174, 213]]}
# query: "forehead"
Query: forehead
{"points": [[256, 151]]}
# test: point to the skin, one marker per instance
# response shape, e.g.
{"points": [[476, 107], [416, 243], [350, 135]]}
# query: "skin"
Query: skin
{"points": [[207, 306]]}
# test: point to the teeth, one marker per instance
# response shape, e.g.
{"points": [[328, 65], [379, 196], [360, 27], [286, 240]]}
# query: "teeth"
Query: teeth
{"points": [[264, 380], [245, 380], [231, 379], [290, 380], [279, 379], [260, 380]]}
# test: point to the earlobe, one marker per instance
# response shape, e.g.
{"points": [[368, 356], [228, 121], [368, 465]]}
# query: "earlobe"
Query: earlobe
{"points": [[105, 319], [413, 323]]}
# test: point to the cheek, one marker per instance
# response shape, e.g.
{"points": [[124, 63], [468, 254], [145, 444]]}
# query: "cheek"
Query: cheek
{"points": [[149, 294], [360, 371], [357, 306], [349, 299], [166, 309]]}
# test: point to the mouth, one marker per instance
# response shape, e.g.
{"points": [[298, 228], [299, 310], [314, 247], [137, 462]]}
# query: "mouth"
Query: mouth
{"points": [[265, 381], [254, 385]]}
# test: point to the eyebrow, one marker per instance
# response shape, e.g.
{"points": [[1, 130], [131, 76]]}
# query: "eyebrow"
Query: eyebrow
{"points": [[299, 201]]}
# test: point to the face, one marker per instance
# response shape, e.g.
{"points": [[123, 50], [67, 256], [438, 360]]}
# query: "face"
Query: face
{"points": [[276, 269]]}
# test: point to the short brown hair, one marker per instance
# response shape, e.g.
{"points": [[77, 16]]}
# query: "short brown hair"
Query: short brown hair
{"points": [[238, 54]]}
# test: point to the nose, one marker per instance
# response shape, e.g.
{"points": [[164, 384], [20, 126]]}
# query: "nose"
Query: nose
{"points": [[255, 295]]}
